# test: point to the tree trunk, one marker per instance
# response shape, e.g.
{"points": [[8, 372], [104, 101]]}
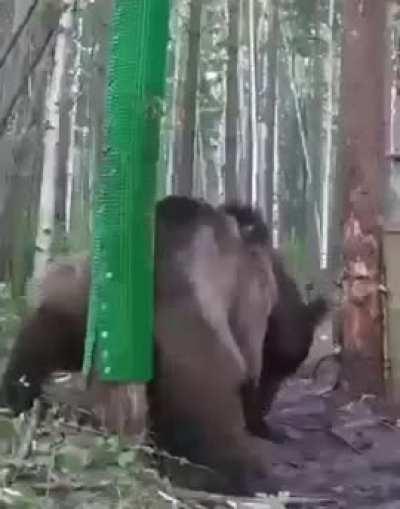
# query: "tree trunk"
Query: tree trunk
{"points": [[329, 112], [185, 163], [232, 105], [175, 131], [272, 54], [253, 105], [72, 158], [46, 222], [244, 145], [363, 158], [316, 111]]}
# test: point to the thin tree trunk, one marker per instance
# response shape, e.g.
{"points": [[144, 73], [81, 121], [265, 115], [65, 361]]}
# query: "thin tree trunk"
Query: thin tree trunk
{"points": [[272, 53], [244, 175], [10, 75], [276, 177], [72, 158], [302, 130], [327, 182], [253, 105], [175, 95], [185, 164], [363, 158], [232, 104]]}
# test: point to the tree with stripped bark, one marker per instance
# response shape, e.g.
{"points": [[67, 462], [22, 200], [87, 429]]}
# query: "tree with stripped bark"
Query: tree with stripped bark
{"points": [[363, 163]]}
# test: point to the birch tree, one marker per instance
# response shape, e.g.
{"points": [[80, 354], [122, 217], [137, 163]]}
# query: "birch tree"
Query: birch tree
{"points": [[329, 161], [22, 83], [45, 229], [72, 156], [272, 57], [253, 106]]}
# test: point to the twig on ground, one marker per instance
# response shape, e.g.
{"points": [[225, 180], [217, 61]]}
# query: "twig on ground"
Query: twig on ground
{"points": [[25, 445], [81, 429], [24, 449], [259, 502], [66, 486]]}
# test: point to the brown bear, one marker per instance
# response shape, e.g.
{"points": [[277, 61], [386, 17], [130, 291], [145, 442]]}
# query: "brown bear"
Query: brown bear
{"points": [[213, 298], [290, 330]]}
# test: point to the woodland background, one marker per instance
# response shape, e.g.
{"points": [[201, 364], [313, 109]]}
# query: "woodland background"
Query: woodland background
{"points": [[267, 102]]}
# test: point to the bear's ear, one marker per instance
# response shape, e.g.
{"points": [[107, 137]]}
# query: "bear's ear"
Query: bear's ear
{"points": [[317, 309]]}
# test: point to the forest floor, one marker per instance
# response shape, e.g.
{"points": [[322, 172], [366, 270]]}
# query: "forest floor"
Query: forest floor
{"points": [[342, 450], [344, 453], [337, 453]]}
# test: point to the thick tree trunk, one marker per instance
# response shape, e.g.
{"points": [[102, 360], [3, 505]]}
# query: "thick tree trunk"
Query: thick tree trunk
{"points": [[363, 158], [185, 164]]}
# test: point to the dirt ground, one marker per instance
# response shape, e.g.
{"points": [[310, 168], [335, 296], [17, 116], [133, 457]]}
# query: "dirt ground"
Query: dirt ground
{"points": [[337, 452], [345, 451]]}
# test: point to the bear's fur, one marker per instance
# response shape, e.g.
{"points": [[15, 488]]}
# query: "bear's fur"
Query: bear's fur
{"points": [[290, 330], [52, 337], [213, 298]]}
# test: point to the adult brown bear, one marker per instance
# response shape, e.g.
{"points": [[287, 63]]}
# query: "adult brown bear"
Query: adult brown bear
{"points": [[213, 298], [290, 330]]}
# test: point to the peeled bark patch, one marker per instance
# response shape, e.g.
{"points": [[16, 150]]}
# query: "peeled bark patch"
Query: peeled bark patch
{"points": [[363, 165]]}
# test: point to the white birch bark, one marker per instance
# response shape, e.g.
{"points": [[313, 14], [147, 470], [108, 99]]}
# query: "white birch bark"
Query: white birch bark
{"points": [[276, 172], [72, 158], [45, 229], [253, 105], [326, 184], [243, 110], [178, 41]]}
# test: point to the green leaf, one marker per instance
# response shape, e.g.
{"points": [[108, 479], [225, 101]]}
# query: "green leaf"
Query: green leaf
{"points": [[8, 435], [72, 459], [127, 458], [22, 498]]}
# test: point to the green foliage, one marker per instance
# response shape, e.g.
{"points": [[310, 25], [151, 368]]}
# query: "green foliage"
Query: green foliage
{"points": [[296, 254], [10, 311], [71, 468]]}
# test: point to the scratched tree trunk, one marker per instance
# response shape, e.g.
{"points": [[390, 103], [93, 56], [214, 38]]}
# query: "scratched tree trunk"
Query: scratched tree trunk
{"points": [[363, 156]]}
